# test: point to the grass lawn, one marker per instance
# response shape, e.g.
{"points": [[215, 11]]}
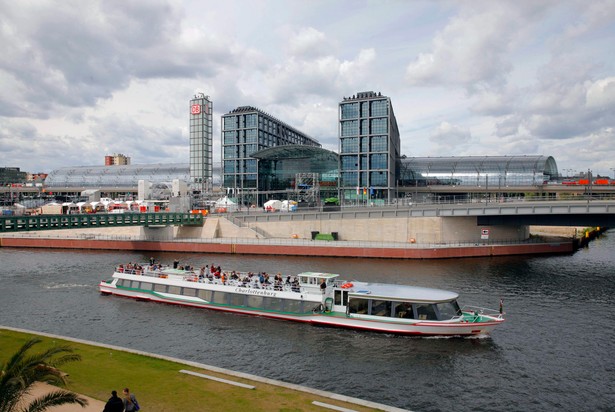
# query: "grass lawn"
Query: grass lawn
{"points": [[158, 384]]}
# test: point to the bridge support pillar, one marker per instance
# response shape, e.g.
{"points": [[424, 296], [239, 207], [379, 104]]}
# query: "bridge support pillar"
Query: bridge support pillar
{"points": [[159, 233]]}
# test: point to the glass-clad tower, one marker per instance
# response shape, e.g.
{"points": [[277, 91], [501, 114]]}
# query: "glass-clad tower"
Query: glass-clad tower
{"points": [[201, 142], [247, 130], [369, 148]]}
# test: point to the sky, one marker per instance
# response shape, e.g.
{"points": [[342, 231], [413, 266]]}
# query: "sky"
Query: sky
{"points": [[83, 79]]}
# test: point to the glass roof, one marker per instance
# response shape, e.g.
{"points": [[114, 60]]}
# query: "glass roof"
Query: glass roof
{"points": [[471, 170], [117, 175]]}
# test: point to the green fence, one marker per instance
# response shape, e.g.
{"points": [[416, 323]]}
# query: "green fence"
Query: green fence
{"points": [[54, 222]]}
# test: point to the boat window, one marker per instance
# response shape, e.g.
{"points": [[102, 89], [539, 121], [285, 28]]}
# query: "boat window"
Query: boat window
{"points": [[120, 282], [403, 310], [220, 297], [341, 297], [189, 292], [448, 310], [273, 304], [426, 311], [255, 301], [174, 290], [381, 308], [238, 300], [160, 288], [205, 295], [135, 284], [293, 306], [146, 286], [358, 306]]}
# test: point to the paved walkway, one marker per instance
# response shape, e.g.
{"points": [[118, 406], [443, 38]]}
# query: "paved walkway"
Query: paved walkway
{"points": [[39, 389]]}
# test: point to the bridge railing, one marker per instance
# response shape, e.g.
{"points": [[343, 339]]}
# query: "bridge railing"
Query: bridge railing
{"points": [[54, 222]]}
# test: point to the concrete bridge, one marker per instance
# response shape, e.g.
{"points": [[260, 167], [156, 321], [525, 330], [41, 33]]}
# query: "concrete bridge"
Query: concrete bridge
{"points": [[420, 224]]}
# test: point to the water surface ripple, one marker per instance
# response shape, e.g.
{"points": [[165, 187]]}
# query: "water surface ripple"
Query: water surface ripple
{"points": [[555, 352]]}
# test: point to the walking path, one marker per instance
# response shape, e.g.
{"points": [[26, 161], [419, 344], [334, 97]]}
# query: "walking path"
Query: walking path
{"points": [[40, 388]]}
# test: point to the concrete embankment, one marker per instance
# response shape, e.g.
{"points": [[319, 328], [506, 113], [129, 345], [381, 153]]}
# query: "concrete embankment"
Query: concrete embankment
{"points": [[299, 247]]}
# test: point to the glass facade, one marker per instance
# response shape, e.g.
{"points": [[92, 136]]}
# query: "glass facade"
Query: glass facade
{"points": [[246, 131], [281, 166], [201, 142], [369, 148], [477, 171]]}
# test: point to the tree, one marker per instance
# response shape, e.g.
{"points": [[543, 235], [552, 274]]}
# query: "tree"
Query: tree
{"points": [[22, 370]]}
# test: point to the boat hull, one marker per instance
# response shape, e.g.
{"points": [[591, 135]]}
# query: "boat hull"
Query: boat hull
{"points": [[331, 319]]}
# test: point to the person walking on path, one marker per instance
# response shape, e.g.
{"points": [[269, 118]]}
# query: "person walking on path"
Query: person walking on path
{"points": [[130, 401], [114, 404]]}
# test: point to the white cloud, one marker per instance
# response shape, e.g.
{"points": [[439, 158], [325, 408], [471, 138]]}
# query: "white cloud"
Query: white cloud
{"points": [[465, 78], [446, 135]]}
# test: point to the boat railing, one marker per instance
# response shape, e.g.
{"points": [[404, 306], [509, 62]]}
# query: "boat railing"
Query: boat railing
{"points": [[192, 276], [482, 311]]}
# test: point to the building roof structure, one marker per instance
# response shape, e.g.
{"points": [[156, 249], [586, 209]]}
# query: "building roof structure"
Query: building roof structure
{"points": [[120, 176], [473, 170]]}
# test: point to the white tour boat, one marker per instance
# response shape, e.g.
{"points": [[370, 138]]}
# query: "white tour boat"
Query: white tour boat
{"points": [[316, 298]]}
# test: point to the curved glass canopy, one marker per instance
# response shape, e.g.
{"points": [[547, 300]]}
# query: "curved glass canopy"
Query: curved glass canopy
{"points": [[477, 170], [121, 176]]}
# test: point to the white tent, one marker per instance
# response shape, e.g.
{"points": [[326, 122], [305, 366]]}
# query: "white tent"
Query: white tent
{"points": [[225, 204], [272, 205]]}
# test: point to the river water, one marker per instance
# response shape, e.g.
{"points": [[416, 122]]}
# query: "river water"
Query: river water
{"points": [[555, 352]]}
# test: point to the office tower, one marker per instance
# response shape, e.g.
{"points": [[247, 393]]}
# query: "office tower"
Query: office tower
{"points": [[247, 130], [369, 148], [201, 142]]}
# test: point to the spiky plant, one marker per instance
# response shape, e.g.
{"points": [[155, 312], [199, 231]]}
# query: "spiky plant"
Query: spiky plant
{"points": [[23, 369]]}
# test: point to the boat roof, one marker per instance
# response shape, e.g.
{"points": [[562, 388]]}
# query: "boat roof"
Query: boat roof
{"points": [[318, 275], [401, 292]]}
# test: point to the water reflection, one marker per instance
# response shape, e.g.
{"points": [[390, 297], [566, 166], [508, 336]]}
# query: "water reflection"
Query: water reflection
{"points": [[554, 351]]}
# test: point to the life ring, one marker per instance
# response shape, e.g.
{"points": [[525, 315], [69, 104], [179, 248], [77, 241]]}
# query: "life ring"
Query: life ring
{"points": [[347, 285]]}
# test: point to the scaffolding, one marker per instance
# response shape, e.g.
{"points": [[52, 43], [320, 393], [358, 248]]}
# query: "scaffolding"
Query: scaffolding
{"points": [[307, 187]]}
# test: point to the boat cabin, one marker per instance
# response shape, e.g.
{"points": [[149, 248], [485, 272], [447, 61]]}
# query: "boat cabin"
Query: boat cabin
{"points": [[407, 302], [310, 281]]}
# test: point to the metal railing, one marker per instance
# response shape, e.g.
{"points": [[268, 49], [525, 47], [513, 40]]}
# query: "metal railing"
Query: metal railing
{"points": [[54, 222]]}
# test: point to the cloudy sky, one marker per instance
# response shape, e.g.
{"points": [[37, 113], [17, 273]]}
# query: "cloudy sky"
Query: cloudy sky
{"points": [[81, 79]]}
